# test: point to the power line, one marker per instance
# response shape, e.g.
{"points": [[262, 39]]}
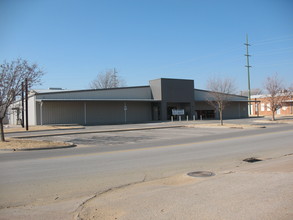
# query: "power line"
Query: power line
{"points": [[274, 40]]}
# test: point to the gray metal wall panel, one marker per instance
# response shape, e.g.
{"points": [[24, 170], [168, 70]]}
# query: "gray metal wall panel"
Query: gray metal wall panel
{"points": [[232, 110], [38, 113], [63, 113], [243, 110], [104, 112], [177, 90], [156, 87], [235, 110], [113, 112], [203, 106], [139, 112]]}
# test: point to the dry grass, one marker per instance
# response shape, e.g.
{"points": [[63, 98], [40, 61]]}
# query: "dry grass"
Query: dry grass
{"points": [[19, 144]]}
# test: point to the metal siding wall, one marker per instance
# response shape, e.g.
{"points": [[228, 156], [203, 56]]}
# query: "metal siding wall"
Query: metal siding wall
{"points": [[63, 113], [38, 113], [232, 110], [113, 112], [243, 110], [235, 110], [104, 112], [177, 90], [203, 106], [200, 95], [139, 112]]}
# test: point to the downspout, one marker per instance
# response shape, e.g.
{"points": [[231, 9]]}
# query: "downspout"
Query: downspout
{"points": [[41, 113], [239, 110], [84, 108]]}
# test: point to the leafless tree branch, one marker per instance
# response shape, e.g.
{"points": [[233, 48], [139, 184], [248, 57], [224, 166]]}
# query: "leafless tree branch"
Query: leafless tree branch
{"points": [[220, 90], [278, 94], [12, 75], [107, 79]]}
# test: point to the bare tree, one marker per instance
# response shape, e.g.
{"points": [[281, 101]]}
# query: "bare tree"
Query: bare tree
{"points": [[278, 94], [219, 94], [107, 79], [12, 74]]}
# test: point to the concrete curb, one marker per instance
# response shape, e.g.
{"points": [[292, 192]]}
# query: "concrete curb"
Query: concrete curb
{"points": [[98, 131], [45, 148], [57, 129], [232, 126]]}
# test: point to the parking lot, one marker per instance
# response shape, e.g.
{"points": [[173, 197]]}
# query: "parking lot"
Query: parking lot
{"points": [[143, 137]]}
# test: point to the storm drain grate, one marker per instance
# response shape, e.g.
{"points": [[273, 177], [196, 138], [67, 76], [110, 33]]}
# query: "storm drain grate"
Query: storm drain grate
{"points": [[252, 160], [201, 174]]}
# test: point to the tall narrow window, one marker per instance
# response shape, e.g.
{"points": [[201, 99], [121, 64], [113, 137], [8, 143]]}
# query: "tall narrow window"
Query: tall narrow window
{"points": [[262, 107]]}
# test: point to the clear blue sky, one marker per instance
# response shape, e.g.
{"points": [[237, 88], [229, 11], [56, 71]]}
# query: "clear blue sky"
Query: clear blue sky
{"points": [[74, 40]]}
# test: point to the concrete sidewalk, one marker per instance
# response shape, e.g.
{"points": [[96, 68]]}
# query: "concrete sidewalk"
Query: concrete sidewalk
{"points": [[262, 190]]}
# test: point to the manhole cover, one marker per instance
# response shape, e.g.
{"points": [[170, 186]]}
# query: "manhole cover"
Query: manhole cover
{"points": [[252, 160], [201, 174]]}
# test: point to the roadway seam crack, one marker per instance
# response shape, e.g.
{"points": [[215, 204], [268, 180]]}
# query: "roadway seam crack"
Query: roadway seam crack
{"points": [[12, 206], [82, 205]]}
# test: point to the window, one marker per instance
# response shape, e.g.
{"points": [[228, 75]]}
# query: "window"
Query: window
{"points": [[268, 107], [262, 107]]}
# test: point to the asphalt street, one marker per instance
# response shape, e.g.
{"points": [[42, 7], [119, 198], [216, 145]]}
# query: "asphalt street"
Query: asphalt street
{"points": [[116, 141], [105, 161]]}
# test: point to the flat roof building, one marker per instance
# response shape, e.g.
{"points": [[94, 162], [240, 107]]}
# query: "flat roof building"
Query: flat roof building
{"points": [[159, 101], [261, 105]]}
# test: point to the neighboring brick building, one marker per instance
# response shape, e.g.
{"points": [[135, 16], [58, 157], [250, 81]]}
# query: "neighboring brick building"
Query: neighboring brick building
{"points": [[260, 106]]}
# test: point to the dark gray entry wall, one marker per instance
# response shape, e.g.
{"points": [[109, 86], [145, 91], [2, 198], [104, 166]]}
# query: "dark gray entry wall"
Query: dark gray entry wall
{"points": [[173, 92]]}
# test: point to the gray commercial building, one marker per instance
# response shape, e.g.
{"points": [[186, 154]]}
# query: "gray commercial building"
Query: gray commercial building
{"points": [[156, 102]]}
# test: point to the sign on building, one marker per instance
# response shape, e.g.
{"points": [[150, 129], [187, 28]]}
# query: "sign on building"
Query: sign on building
{"points": [[177, 111]]}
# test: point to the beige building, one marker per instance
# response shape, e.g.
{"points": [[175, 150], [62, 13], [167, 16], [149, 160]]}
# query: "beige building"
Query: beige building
{"points": [[158, 101]]}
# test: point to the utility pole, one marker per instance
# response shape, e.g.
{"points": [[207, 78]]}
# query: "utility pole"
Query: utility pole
{"points": [[115, 83], [22, 104], [248, 73], [26, 104]]}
